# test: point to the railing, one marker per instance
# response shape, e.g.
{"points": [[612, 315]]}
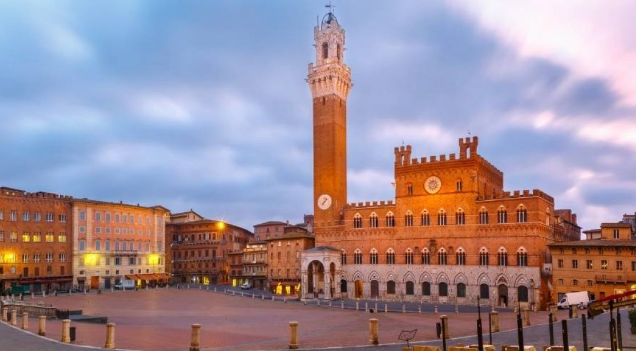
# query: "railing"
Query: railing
{"points": [[608, 278]]}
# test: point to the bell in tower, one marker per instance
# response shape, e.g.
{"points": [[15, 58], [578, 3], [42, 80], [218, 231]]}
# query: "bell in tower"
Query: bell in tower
{"points": [[329, 81]]}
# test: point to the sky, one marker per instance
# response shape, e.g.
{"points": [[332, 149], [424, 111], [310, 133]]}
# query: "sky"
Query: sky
{"points": [[203, 105]]}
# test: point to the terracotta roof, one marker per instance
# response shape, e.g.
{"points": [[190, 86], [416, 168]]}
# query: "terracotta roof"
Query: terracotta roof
{"points": [[621, 225], [596, 242], [270, 223]]}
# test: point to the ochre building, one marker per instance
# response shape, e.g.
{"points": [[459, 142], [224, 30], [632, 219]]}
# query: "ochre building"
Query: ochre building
{"points": [[35, 241], [603, 265], [117, 241], [451, 235]]}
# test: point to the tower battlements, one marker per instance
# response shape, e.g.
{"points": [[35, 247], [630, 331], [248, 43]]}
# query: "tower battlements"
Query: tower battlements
{"points": [[519, 194], [467, 151]]}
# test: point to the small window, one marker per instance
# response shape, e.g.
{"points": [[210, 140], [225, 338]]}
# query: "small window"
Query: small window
{"points": [[390, 287], [459, 185], [325, 50], [461, 290]]}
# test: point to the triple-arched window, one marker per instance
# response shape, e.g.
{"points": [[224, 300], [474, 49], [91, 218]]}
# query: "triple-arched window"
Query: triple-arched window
{"points": [[502, 215], [426, 218], [483, 257], [373, 220], [373, 257], [357, 257], [442, 257], [426, 256], [441, 217], [460, 217], [522, 214], [390, 256], [408, 256], [390, 220], [408, 219], [357, 221], [460, 257], [502, 257], [483, 216], [522, 257]]}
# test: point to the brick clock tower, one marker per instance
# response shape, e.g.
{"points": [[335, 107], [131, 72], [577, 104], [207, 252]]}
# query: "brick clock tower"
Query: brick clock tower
{"points": [[329, 80]]}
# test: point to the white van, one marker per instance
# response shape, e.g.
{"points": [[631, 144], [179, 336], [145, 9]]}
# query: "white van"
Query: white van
{"points": [[579, 299], [125, 284]]}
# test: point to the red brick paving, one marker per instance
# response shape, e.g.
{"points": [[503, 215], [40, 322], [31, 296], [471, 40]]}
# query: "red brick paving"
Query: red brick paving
{"points": [[161, 320]]}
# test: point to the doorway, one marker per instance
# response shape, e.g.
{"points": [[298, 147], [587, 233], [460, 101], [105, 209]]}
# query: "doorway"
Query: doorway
{"points": [[502, 289], [358, 286]]}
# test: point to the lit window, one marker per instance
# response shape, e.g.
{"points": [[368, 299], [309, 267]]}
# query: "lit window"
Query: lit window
{"points": [[50, 237], [26, 238], [37, 237]]}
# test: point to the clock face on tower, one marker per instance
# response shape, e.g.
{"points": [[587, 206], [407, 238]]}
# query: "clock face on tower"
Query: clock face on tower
{"points": [[432, 184], [324, 201]]}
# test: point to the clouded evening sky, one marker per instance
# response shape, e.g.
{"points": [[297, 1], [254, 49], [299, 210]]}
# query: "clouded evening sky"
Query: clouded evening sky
{"points": [[203, 104]]}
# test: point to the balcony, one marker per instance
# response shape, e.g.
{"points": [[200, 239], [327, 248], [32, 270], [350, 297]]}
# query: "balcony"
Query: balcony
{"points": [[610, 278]]}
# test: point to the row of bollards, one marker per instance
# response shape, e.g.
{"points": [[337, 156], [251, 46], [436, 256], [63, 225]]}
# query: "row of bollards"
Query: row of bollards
{"points": [[66, 329]]}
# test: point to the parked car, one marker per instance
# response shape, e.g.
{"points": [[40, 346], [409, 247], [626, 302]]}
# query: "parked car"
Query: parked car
{"points": [[246, 286]]}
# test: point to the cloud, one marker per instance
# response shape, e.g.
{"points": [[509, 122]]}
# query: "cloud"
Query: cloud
{"points": [[205, 106]]}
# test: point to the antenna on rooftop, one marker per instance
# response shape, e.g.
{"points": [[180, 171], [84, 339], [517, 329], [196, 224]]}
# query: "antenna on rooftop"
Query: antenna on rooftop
{"points": [[330, 7]]}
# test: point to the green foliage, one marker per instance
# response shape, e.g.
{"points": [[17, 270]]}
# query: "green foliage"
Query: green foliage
{"points": [[632, 317]]}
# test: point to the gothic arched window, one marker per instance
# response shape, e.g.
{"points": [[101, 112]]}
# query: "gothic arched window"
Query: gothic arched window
{"points": [[408, 219], [522, 214], [325, 50], [357, 221]]}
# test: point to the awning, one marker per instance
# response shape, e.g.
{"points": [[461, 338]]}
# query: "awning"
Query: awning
{"points": [[132, 276]]}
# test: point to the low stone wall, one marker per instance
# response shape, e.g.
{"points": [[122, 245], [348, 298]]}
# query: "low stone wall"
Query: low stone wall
{"points": [[34, 310]]}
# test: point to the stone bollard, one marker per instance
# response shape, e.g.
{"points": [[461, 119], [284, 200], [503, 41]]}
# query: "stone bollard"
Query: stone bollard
{"points": [[42, 326], [25, 320], [329, 303], [386, 309], [5, 317], [419, 309], [66, 331], [293, 335], [112, 289], [196, 337], [317, 302], [516, 309], [403, 308], [272, 297], [342, 305], [376, 307], [253, 296], [526, 317], [435, 309], [366, 307], [554, 310], [110, 336], [200, 287], [444, 320], [32, 295], [575, 312], [215, 289], [14, 317], [373, 331], [262, 297], [456, 309], [188, 286], [494, 322], [209, 289], [357, 305]]}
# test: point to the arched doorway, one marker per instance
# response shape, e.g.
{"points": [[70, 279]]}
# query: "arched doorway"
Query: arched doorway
{"points": [[375, 288], [502, 290], [358, 288], [316, 278], [522, 294], [410, 288]]}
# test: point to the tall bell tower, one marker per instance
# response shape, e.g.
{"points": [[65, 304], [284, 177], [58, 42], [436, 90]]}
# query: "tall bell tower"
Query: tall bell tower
{"points": [[329, 80]]}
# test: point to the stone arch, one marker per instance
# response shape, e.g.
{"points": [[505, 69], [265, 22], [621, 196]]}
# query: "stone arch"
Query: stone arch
{"points": [[343, 275], [483, 278], [521, 281], [374, 276], [425, 277], [460, 278], [442, 278], [502, 279], [358, 276], [409, 276], [391, 276]]}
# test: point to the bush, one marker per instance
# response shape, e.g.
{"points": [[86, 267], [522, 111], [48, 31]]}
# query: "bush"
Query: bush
{"points": [[632, 317]]}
